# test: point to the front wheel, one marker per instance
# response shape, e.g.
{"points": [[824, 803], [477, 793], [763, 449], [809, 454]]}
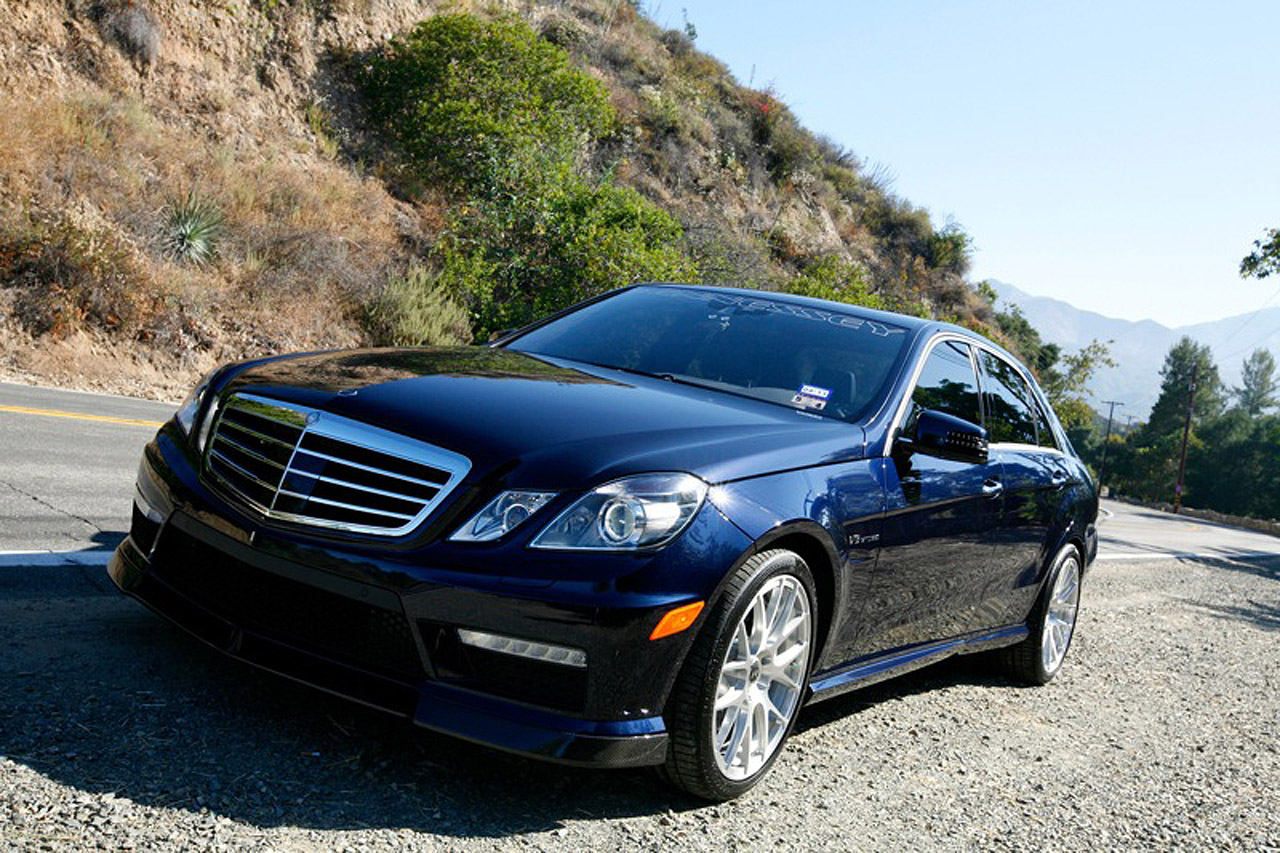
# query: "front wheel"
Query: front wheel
{"points": [[1037, 659], [740, 691]]}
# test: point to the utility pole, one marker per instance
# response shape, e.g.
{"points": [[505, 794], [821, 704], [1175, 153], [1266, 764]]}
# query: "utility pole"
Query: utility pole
{"points": [[1186, 436], [1102, 468]]}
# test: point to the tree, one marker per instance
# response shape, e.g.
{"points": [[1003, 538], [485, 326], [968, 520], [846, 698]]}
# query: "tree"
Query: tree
{"points": [[1065, 385], [1265, 257], [1184, 360], [1257, 391]]}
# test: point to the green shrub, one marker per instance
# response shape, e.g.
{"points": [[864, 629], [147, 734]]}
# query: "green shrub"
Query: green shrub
{"points": [[470, 101], [788, 147], [193, 225], [522, 258], [677, 42], [791, 151], [837, 279], [949, 249], [415, 310], [563, 30], [729, 258]]}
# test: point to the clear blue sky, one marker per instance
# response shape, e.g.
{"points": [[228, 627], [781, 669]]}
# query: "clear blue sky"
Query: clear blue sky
{"points": [[1122, 156]]}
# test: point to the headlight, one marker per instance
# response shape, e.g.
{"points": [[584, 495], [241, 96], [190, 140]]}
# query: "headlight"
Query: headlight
{"points": [[501, 515], [636, 512], [187, 411]]}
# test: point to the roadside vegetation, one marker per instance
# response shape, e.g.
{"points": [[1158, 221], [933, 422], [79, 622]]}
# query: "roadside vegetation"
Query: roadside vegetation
{"points": [[347, 173], [1233, 446]]}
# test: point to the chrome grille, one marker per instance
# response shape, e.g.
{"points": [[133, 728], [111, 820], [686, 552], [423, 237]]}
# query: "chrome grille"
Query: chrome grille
{"points": [[299, 464]]}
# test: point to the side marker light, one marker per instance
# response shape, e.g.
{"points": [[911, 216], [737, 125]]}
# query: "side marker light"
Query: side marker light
{"points": [[677, 620]]}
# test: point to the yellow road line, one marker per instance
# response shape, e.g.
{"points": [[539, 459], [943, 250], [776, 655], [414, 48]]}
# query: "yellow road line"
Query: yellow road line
{"points": [[51, 413]]}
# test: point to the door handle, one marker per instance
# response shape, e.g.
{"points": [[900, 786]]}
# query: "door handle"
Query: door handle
{"points": [[992, 488], [1059, 479]]}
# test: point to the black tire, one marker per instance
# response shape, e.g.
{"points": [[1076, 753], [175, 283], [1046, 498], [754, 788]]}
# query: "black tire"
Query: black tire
{"points": [[1026, 661], [692, 764]]}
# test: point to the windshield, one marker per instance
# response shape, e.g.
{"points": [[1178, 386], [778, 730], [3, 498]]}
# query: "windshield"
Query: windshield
{"points": [[827, 362]]}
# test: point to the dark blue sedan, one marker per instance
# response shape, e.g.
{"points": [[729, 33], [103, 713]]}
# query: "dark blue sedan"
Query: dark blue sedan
{"points": [[645, 531]]}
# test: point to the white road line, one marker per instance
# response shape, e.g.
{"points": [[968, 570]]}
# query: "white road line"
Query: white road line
{"points": [[1183, 555], [49, 559]]}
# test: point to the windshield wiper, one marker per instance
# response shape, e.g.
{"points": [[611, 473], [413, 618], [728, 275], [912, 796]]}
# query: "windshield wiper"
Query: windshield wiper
{"points": [[669, 377]]}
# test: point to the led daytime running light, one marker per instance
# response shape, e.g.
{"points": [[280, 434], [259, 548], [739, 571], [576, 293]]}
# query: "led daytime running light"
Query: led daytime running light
{"points": [[530, 649]]}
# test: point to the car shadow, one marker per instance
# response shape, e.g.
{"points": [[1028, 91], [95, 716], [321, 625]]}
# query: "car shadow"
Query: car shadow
{"points": [[98, 694], [963, 670]]}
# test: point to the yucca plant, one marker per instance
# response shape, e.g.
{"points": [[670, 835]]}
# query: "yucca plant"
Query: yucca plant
{"points": [[193, 225]]}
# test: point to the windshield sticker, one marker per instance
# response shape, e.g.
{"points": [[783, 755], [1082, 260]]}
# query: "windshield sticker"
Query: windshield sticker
{"points": [[812, 397]]}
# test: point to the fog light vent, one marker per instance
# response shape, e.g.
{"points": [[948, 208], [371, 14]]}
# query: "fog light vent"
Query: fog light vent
{"points": [[524, 648]]}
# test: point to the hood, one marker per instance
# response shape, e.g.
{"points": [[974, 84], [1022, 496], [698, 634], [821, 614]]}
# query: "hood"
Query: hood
{"points": [[541, 423]]}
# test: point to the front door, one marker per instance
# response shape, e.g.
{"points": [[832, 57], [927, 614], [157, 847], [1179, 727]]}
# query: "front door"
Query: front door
{"points": [[941, 515]]}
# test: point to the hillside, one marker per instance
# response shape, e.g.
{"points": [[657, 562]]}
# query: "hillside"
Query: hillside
{"points": [[1139, 348], [184, 183]]}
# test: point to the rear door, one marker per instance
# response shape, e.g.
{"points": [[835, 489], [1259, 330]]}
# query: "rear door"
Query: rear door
{"points": [[1035, 477], [936, 540]]}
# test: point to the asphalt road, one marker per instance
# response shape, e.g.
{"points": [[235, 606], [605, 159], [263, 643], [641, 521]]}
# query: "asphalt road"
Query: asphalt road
{"points": [[68, 459], [67, 466]]}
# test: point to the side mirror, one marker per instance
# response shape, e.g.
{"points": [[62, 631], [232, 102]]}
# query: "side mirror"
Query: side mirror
{"points": [[947, 437]]}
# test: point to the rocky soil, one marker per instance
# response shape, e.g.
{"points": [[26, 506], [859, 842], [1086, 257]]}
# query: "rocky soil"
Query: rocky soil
{"points": [[118, 732]]}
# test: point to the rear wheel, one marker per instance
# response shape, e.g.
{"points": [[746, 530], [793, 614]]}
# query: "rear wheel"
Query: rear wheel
{"points": [[1037, 659], [741, 688]]}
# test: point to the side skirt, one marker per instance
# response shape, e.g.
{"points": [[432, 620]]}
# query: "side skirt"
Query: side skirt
{"points": [[865, 672]]}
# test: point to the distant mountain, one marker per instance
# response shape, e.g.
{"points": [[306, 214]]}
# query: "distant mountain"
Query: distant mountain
{"points": [[1139, 348]]}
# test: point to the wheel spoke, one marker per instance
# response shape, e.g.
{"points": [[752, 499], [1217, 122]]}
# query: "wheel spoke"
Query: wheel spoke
{"points": [[781, 676], [794, 625], [729, 698], [742, 641], [740, 724], [771, 708], [758, 624], [1067, 594], [742, 754], [726, 727], [790, 656], [785, 602]]}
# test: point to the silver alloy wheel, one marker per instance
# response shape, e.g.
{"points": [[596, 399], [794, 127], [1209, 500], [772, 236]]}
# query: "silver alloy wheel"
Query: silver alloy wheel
{"points": [[762, 677], [1060, 617]]}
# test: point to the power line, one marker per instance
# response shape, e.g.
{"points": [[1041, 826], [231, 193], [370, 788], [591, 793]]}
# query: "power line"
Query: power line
{"points": [[1246, 322]]}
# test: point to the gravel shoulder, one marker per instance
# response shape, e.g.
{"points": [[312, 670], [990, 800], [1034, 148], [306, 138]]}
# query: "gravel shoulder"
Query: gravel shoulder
{"points": [[118, 732]]}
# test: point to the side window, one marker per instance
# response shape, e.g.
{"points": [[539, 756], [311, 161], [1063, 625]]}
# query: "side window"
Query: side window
{"points": [[1044, 432], [1011, 410], [947, 384]]}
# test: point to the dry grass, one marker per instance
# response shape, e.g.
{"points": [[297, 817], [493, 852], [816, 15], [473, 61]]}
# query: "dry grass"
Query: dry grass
{"points": [[87, 176]]}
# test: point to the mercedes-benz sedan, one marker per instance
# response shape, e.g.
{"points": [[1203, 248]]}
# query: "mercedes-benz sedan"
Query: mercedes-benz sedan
{"points": [[645, 531]]}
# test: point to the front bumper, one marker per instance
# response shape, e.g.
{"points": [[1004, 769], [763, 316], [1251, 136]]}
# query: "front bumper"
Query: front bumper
{"points": [[381, 628], [433, 704]]}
